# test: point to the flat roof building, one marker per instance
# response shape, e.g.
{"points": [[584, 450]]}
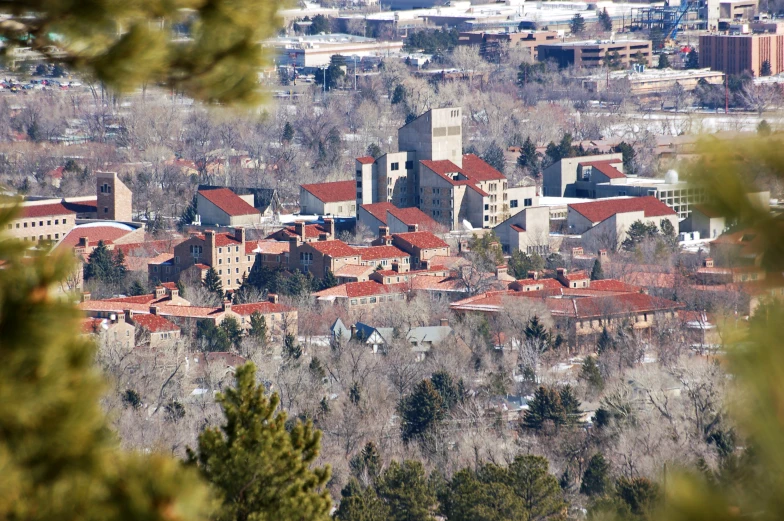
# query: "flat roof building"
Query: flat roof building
{"points": [[734, 54], [592, 53], [317, 50]]}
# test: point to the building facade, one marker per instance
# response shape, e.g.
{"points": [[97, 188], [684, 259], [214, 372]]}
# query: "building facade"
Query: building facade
{"points": [[593, 53], [735, 54]]}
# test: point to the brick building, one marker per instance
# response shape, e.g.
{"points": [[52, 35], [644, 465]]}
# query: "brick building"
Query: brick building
{"points": [[114, 199], [734, 54], [593, 53]]}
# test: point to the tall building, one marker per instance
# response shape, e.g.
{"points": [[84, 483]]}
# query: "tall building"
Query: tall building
{"points": [[115, 200], [734, 54], [430, 172]]}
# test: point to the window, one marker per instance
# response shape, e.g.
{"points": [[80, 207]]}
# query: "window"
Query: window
{"points": [[363, 301], [228, 260], [372, 300], [236, 248], [513, 203], [106, 188], [487, 207], [57, 221], [528, 202], [409, 165], [48, 223], [33, 224], [17, 225], [236, 259], [359, 173], [236, 270], [56, 235], [487, 218], [220, 250], [64, 221], [105, 209], [340, 209], [394, 166], [220, 272], [353, 302]]}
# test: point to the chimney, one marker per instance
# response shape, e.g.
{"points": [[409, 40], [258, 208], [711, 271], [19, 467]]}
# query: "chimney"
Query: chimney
{"points": [[444, 322], [329, 224], [709, 262], [273, 298], [84, 242], [501, 270], [413, 228], [383, 231], [533, 275], [299, 229], [174, 293], [226, 305], [160, 292], [154, 310], [209, 238], [602, 254], [86, 296], [128, 316], [239, 235]]}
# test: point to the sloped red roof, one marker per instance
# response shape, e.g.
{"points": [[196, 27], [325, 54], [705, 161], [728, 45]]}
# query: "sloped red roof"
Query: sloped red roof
{"points": [[379, 210], [91, 325], [614, 285], [597, 211], [606, 167], [267, 246], [333, 248], [263, 308], [366, 160], [333, 192], [44, 210], [56, 173], [107, 234], [371, 287], [154, 323], [413, 216], [311, 231], [572, 276], [422, 240], [477, 169], [445, 169], [228, 202], [380, 252]]}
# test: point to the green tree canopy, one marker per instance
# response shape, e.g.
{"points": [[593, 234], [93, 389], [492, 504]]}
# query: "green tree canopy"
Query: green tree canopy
{"points": [[577, 24], [605, 22], [407, 492], [596, 478], [104, 266], [262, 470], [420, 411], [664, 62], [130, 44], [596, 272]]}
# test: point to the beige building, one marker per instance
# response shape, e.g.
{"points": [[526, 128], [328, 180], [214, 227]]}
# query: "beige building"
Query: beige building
{"points": [[491, 43], [337, 199], [222, 207], [114, 199], [734, 54], [594, 53], [528, 231]]}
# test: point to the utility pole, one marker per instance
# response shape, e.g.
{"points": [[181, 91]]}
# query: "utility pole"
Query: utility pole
{"points": [[726, 95]]}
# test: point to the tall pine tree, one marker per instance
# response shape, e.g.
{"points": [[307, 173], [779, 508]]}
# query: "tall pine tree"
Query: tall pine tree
{"points": [[262, 469]]}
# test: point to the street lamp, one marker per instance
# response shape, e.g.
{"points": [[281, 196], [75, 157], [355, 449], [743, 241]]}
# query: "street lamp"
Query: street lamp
{"points": [[355, 70]]}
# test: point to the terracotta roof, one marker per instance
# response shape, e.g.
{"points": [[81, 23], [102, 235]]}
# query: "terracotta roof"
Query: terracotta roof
{"points": [[422, 240], [44, 210], [448, 261], [311, 231], [333, 248], [84, 206], [201, 266], [366, 160], [353, 270], [229, 202], [379, 210], [380, 252], [413, 216], [333, 192], [94, 234], [597, 211], [267, 246], [428, 283], [221, 239], [606, 167], [163, 258], [154, 323], [477, 169], [614, 285], [362, 289], [517, 228], [91, 325], [264, 308], [446, 169], [56, 173], [572, 276]]}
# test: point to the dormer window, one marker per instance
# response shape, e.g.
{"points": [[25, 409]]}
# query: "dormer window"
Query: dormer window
{"points": [[586, 173]]}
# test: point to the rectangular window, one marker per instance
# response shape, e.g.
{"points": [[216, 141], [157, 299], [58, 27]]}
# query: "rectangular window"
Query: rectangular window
{"points": [[57, 221], [48, 223], [359, 173], [220, 250], [409, 165], [220, 261], [394, 166], [528, 202], [513, 203], [353, 302], [487, 207], [33, 224], [64, 221]]}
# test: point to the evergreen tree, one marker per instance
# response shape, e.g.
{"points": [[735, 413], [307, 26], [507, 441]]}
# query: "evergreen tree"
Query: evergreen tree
{"points": [[529, 158], [570, 404], [545, 406], [292, 351], [494, 156], [469, 497], [629, 156], [233, 330], [262, 469], [605, 342], [535, 330], [367, 463], [577, 24], [542, 497], [288, 133], [692, 60], [596, 271], [596, 478], [637, 233], [136, 289], [374, 151], [605, 22], [210, 337], [443, 383], [766, 70], [188, 215], [329, 281], [530, 73], [213, 284], [763, 128], [319, 24], [664, 62], [399, 95], [407, 492], [420, 411], [105, 267], [60, 457], [360, 504], [258, 328], [590, 373]]}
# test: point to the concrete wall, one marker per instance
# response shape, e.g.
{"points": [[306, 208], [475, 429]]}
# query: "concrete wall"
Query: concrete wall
{"points": [[115, 200], [366, 176], [48, 228], [436, 134], [536, 223], [559, 178], [520, 194]]}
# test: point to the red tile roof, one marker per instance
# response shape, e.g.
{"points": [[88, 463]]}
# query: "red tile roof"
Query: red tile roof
{"points": [[154, 323], [311, 231], [333, 192], [44, 210], [572, 276], [614, 285], [228, 202], [263, 308], [597, 211], [476, 169], [56, 173], [362, 289], [379, 210], [446, 169], [422, 240], [333, 248], [107, 234], [607, 168], [380, 252], [366, 160], [413, 216], [91, 325], [267, 246]]}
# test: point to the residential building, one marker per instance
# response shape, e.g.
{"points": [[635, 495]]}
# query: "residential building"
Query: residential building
{"points": [[603, 224], [595, 53], [580, 308], [528, 231], [280, 318], [421, 338], [222, 207], [321, 257], [430, 172], [421, 246], [602, 176], [337, 199], [738, 53], [306, 232], [398, 220], [152, 330], [363, 294], [706, 221], [112, 330]]}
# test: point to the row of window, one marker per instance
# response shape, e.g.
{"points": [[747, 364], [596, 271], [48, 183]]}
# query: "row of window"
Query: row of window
{"points": [[396, 166], [40, 223], [373, 300], [41, 237]]}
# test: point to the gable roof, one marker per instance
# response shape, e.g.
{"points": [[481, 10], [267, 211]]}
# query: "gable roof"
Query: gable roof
{"points": [[228, 202], [362, 289], [107, 234], [606, 167], [477, 169], [154, 323], [597, 211], [366, 160], [380, 252], [333, 192], [422, 240], [44, 210], [333, 248], [311, 231], [379, 210], [707, 211], [413, 215], [263, 308]]}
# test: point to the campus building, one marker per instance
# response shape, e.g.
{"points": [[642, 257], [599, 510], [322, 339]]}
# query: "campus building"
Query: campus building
{"points": [[734, 54], [593, 53]]}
